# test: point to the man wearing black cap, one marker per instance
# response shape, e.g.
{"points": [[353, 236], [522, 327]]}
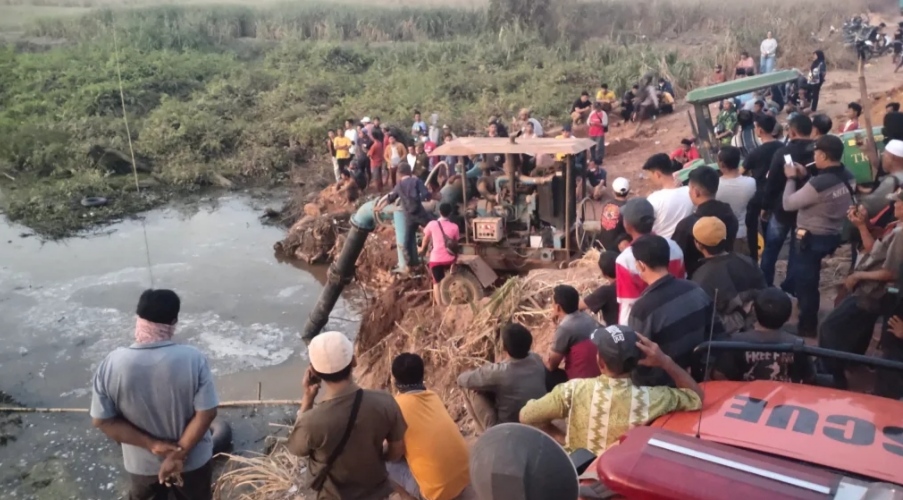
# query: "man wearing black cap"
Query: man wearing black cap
{"points": [[823, 203], [600, 410]]}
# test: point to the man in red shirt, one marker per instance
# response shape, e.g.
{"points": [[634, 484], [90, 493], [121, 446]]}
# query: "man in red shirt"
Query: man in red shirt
{"points": [[572, 343], [375, 154], [686, 153], [598, 124]]}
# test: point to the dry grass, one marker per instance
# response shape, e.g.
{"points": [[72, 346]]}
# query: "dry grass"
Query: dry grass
{"points": [[459, 338], [276, 476]]}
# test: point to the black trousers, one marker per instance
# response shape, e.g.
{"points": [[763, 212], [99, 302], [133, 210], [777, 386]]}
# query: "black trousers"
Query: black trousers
{"points": [[197, 486], [752, 229]]}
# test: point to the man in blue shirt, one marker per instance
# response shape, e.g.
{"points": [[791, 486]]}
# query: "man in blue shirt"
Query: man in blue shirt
{"points": [[412, 192], [156, 398]]}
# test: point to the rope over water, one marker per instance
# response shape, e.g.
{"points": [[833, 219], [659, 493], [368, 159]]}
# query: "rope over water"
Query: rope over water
{"points": [[128, 134]]}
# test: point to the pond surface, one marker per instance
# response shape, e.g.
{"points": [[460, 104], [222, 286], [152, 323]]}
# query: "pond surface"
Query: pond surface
{"points": [[65, 305]]}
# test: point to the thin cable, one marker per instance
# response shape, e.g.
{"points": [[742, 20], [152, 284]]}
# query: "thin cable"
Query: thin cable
{"points": [[128, 133]]}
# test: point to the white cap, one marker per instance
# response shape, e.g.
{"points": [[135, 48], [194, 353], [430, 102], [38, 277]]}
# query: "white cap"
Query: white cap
{"points": [[330, 352], [365, 120], [620, 186], [895, 147]]}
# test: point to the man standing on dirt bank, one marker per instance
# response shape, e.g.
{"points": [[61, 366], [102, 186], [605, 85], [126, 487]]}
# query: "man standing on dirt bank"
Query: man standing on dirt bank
{"points": [[156, 398], [823, 203], [779, 223], [343, 435], [757, 166], [769, 50], [412, 192]]}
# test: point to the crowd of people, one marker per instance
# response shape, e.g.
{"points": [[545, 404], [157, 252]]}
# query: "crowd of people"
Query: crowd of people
{"points": [[679, 267]]}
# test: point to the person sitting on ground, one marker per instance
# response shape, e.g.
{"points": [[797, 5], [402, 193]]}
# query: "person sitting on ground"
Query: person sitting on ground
{"points": [[726, 122], [736, 190], [157, 400], [671, 201], [628, 107], [686, 153], [514, 461], [854, 111], [439, 234], [717, 76], [821, 125], [497, 391], [619, 351], [675, 313], [638, 216], [412, 193], [348, 189], [612, 227], [359, 469], [604, 299], [745, 138], [606, 98], [731, 280], [582, 106], [571, 343], [436, 462], [772, 309], [665, 86], [849, 326], [703, 184], [746, 66], [665, 103]]}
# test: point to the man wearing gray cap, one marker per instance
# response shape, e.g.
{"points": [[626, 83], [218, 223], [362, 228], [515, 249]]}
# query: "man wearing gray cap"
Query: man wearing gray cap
{"points": [[600, 410], [639, 216]]}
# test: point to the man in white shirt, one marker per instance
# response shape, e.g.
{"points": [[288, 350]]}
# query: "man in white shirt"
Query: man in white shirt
{"points": [[351, 134], [736, 190], [672, 201], [769, 49]]}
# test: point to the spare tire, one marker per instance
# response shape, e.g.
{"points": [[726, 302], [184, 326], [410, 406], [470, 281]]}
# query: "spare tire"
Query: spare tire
{"points": [[222, 436], [93, 201]]}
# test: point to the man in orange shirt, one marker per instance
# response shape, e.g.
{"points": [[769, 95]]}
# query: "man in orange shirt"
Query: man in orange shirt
{"points": [[436, 461]]}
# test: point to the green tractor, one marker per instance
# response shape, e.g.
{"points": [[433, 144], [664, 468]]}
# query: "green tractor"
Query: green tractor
{"points": [[703, 125]]}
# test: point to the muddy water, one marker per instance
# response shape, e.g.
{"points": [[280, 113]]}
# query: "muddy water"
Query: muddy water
{"points": [[65, 305]]}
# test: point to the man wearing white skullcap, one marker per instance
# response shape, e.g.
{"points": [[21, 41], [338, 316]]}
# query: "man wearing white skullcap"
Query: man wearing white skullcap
{"points": [[892, 164], [343, 435]]}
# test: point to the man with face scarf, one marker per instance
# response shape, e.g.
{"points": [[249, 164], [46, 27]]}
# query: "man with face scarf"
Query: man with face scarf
{"points": [[156, 398]]}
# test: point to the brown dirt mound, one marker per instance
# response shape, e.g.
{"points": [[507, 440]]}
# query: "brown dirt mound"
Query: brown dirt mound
{"points": [[458, 338], [312, 238], [619, 147]]}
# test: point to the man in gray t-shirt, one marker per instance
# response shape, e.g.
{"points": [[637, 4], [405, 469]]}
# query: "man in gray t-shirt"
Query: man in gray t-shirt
{"points": [[157, 399]]}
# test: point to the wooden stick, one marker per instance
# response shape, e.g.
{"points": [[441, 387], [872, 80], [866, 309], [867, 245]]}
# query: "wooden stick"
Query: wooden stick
{"points": [[225, 404], [259, 389], [871, 151]]}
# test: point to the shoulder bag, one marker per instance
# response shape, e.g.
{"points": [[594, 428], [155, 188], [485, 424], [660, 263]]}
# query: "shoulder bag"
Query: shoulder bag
{"points": [[319, 481], [451, 245]]}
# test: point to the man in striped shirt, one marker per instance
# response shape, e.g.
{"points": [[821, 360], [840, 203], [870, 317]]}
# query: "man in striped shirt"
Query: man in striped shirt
{"points": [[638, 216], [674, 313]]}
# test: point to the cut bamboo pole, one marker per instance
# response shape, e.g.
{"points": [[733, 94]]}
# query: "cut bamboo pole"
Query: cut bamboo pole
{"points": [[225, 404]]}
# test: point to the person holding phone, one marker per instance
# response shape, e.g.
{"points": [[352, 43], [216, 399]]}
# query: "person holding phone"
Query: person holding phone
{"points": [[344, 464]]}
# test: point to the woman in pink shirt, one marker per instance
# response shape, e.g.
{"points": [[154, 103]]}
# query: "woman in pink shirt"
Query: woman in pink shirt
{"points": [[441, 258]]}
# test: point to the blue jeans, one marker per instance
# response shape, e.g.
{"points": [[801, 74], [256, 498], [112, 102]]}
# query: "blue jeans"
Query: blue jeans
{"points": [[807, 274], [775, 235], [766, 65]]}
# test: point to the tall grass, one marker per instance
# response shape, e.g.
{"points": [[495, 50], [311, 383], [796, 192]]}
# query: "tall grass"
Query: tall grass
{"points": [[237, 91]]}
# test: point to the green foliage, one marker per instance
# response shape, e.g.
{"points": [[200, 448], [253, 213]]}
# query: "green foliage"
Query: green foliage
{"points": [[225, 91]]}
